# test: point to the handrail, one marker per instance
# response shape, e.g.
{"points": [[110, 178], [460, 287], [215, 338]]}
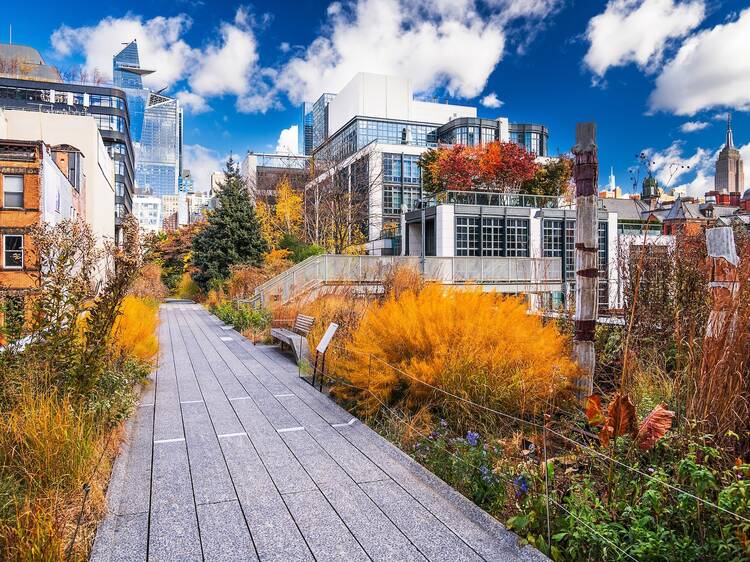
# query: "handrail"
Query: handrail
{"points": [[460, 270]]}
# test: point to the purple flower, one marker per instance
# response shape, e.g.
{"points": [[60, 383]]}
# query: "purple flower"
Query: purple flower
{"points": [[522, 487], [432, 436], [486, 474], [473, 438]]}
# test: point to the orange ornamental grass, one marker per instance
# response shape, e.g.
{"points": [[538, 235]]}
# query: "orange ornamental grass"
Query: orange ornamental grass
{"points": [[480, 346], [134, 331]]}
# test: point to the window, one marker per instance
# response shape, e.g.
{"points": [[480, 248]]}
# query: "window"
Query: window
{"points": [[13, 191], [553, 238], [13, 251], [517, 234], [467, 236], [493, 237]]}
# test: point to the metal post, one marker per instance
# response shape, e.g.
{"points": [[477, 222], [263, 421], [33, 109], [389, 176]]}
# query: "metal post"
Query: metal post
{"points": [[423, 250]]}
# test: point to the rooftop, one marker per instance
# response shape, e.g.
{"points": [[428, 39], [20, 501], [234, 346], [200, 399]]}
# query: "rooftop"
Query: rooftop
{"points": [[20, 61]]}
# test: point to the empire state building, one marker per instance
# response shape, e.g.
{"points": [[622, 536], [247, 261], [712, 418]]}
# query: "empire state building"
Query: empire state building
{"points": [[730, 177]]}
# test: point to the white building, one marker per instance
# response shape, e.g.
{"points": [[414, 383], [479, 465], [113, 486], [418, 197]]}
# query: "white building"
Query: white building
{"points": [[147, 209], [377, 118], [81, 134]]}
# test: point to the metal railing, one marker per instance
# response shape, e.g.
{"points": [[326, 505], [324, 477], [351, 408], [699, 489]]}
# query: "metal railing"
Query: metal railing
{"points": [[330, 269]]}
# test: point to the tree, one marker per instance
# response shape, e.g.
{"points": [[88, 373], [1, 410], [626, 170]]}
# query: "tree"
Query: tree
{"points": [[283, 216], [497, 166], [337, 200], [504, 166], [553, 178], [232, 235], [172, 250]]}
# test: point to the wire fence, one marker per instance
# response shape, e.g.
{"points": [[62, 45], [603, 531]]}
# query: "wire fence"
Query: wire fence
{"points": [[542, 427]]}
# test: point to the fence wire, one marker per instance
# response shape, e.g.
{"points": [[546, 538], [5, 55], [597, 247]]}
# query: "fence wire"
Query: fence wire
{"points": [[540, 427]]}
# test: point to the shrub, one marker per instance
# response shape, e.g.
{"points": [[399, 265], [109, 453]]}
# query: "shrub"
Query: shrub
{"points": [[134, 332], [338, 307], [187, 288], [481, 346], [148, 284], [243, 317]]}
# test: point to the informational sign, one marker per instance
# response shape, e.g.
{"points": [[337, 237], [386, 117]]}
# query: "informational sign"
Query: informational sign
{"points": [[327, 337]]}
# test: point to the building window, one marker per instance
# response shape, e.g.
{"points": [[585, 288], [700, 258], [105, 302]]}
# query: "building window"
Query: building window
{"points": [[13, 192], [517, 235], [493, 237], [603, 259], [553, 242], [467, 236], [13, 251]]}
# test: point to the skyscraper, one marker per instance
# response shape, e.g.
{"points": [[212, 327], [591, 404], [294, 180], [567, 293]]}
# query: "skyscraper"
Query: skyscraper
{"points": [[156, 127], [730, 175]]}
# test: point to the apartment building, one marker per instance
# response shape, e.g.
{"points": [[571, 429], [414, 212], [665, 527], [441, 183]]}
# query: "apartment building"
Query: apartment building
{"points": [[40, 89], [375, 129], [98, 182], [38, 183]]}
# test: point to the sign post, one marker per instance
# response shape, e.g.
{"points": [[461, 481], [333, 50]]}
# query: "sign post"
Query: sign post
{"points": [[320, 353]]}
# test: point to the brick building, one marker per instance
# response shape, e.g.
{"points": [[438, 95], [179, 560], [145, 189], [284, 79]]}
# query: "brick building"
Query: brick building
{"points": [[38, 183]]}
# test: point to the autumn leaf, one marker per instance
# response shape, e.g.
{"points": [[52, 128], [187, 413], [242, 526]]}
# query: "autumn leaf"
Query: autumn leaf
{"points": [[594, 412], [621, 419], [654, 426]]}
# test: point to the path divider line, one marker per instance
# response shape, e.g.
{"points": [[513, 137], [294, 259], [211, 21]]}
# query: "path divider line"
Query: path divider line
{"points": [[192, 402], [282, 395], [350, 422], [176, 440], [288, 429], [231, 434], [240, 398]]}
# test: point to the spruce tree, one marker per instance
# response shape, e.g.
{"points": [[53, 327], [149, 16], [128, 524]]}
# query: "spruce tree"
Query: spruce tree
{"points": [[233, 234]]}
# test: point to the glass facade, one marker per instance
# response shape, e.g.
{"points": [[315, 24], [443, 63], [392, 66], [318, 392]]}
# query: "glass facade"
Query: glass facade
{"points": [[532, 137], [402, 182], [319, 120], [157, 165], [306, 130], [155, 127], [497, 237], [558, 240]]}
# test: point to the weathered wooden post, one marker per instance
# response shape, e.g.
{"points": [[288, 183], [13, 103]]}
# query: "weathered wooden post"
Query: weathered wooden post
{"points": [[585, 173], [722, 263]]}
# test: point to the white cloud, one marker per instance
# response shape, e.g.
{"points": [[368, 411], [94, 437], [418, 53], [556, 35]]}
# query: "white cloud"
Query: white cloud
{"points": [[194, 103], [638, 31], [285, 47], [225, 67], [671, 165], [160, 45], [491, 100], [444, 43], [201, 162], [692, 126], [288, 142], [711, 69]]}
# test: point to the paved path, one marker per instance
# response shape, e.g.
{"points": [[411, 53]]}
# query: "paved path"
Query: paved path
{"points": [[232, 457]]}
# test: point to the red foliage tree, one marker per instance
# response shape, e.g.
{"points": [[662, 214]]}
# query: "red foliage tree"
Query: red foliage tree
{"points": [[457, 167], [504, 166]]}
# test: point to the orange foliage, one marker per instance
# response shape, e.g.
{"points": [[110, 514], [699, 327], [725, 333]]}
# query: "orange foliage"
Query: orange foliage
{"points": [[134, 332], [480, 346]]}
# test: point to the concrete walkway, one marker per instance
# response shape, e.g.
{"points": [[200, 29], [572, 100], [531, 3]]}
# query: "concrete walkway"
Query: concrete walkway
{"points": [[232, 457]]}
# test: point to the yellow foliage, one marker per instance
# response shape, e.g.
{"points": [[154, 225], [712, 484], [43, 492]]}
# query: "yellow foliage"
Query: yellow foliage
{"points": [[275, 257], [285, 216], [187, 288], [480, 346], [134, 332]]}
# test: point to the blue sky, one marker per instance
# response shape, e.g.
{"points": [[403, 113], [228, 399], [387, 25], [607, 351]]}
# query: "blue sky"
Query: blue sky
{"points": [[656, 75]]}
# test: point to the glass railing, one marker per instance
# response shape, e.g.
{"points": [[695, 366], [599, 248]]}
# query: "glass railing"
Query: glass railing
{"points": [[497, 199]]}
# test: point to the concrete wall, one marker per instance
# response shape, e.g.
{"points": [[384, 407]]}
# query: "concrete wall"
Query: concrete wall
{"points": [[58, 196], [80, 131]]}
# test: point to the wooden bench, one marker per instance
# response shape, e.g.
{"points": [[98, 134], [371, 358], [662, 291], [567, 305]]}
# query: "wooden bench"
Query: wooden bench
{"points": [[296, 338]]}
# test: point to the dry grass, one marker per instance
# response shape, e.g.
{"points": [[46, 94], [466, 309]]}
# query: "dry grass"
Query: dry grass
{"points": [[134, 332], [480, 346], [49, 449], [187, 288], [148, 284]]}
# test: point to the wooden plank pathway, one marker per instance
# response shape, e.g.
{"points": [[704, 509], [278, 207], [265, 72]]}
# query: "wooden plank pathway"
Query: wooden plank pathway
{"points": [[231, 456]]}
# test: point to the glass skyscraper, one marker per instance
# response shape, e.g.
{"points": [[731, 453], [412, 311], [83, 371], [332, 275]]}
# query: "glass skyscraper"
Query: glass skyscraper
{"points": [[155, 127]]}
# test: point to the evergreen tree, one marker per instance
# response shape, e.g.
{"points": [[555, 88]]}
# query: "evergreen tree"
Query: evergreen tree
{"points": [[233, 233]]}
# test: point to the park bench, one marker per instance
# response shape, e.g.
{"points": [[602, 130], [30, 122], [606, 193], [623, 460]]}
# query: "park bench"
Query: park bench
{"points": [[296, 338]]}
